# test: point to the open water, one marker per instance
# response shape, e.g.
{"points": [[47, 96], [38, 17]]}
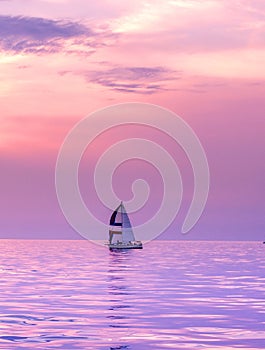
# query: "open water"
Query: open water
{"points": [[170, 295]]}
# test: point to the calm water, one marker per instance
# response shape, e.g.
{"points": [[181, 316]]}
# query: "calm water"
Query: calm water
{"points": [[170, 295]]}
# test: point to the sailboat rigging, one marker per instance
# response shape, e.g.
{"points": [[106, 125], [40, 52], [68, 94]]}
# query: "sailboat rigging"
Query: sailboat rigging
{"points": [[121, 235]]}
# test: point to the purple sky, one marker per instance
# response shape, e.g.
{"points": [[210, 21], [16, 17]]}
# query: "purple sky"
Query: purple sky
{"points": [[204, 60]]}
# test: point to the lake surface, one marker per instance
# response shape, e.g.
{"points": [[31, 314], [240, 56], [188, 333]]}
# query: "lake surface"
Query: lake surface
{"points": [[170, 295]]}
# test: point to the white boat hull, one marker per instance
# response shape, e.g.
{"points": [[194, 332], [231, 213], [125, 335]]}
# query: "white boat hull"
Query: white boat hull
{"points": [[132, 245]]}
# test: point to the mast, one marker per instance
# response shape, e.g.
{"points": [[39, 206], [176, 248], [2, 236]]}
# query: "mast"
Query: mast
{"points": [[121, 205]]}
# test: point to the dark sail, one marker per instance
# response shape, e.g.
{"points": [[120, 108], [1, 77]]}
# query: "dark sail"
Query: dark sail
{"points": [[113, 218]]}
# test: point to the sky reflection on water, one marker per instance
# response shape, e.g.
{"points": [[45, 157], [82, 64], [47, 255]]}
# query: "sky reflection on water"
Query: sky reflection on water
{"points": [[170, 295]]}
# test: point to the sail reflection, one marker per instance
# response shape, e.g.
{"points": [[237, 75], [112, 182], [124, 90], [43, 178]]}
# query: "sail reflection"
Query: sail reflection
{"points": [[119, 296]]}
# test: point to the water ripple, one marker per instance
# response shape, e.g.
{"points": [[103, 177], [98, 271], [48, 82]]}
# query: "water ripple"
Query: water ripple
{"points": [[74, 295]]}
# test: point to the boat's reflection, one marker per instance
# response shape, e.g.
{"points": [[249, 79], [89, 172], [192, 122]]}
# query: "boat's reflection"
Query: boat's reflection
{"points": [[119, 293]]}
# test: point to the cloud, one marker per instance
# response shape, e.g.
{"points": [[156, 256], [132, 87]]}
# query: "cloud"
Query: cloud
{"points": [[141, 80], [35, 35], [179, 26]]}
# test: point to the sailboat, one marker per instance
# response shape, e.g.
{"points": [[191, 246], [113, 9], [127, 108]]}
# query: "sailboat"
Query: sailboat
{"points": [[121, 235]]}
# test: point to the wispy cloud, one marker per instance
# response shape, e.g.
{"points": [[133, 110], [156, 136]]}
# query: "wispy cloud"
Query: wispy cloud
{"points": [[141, 80], [37, 35]]}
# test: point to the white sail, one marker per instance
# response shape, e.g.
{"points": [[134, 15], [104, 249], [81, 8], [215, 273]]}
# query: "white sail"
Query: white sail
{"points": [[127, 232]]}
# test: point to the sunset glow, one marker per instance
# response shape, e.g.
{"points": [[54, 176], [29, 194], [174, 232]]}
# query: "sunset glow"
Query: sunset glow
{"points": [[61, 60]]}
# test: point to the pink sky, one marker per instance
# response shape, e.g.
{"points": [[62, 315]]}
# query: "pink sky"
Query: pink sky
{"points": [[203, 59]]}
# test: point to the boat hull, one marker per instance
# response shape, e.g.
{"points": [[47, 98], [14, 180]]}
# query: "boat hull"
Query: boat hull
{"points": [[125, 246]]}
